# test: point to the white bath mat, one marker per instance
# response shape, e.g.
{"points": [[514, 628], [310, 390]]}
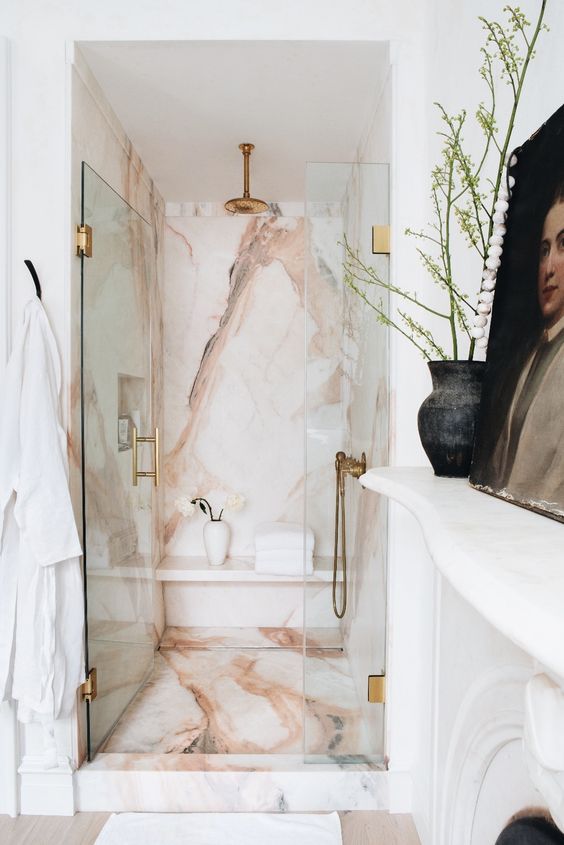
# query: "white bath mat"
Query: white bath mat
{"points": [[221, 829]]}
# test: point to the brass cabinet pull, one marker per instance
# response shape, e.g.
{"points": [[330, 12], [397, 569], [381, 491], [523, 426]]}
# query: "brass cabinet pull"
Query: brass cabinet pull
{"points": [[156, 457]]}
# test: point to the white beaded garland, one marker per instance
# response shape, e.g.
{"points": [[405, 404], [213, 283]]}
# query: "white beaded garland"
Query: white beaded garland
{"points": [[492, 262]]}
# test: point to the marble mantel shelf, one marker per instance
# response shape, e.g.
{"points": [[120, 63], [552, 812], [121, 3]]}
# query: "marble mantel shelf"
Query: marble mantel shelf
{"points": [[179, 568], [507, 562]]}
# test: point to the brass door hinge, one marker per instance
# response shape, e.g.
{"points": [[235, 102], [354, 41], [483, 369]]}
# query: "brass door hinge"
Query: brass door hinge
{"points": [[376, 689], [380, 240], [84, 241], [89, 689]]}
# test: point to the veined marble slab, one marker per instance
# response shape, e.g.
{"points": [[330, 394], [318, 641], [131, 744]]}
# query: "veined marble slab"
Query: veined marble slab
{"points": [[244, 701], [155, 783], [235, 308], [249, 604], [179, 637]]}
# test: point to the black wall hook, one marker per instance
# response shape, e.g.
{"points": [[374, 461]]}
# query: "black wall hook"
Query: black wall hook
{"points": [[34, 276]]}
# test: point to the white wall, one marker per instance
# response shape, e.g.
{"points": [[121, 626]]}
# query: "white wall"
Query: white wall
{"points": [[8, 735]]}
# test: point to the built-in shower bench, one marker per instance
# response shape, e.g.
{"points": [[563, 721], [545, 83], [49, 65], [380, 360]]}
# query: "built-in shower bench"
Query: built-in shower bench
{"points": [[182, 568], [233, 594]]}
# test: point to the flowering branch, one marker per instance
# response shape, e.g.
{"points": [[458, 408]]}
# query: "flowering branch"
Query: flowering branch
{"points": [[186, 506], [463, 200]]}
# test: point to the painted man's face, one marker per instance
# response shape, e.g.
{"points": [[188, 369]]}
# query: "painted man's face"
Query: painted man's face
{"points": [[551, 266]]}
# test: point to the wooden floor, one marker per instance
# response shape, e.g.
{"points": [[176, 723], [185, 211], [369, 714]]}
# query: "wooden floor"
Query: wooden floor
{"points": [[82, 829]]}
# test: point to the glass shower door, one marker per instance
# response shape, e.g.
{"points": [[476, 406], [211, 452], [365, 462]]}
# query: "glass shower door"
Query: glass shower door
{"points": [[116, 398], [347, 412]]}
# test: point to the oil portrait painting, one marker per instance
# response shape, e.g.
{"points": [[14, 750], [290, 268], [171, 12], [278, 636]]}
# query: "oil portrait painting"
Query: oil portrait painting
{"points": [[519, 451]]}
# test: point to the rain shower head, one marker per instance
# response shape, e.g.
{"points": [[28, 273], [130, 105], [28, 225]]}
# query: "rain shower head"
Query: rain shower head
{"points": [[246, 204]]}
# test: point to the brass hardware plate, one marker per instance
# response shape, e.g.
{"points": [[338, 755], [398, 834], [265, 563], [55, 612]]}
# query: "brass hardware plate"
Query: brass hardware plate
{"points": [[381, 240], [84, 241], [349, 465], [155, 473], [89, 689], [376, 689]]}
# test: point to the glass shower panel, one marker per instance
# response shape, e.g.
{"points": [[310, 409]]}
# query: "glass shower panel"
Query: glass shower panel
{"points": [[347, 412], [116, 393]]}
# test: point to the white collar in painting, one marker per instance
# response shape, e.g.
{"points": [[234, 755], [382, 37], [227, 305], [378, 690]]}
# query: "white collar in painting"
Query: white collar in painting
{"points": [[554, 330]]}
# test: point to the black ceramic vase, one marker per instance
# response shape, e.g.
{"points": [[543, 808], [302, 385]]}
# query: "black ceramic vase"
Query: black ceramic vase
{"points": [[447, 417]]}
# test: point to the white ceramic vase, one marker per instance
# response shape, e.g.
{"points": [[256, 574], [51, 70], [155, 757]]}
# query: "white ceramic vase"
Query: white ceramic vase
{"points": [[216, 541]]}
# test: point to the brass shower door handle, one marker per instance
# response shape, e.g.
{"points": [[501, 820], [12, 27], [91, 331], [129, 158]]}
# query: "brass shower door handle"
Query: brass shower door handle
{"points": [[156, 457]]}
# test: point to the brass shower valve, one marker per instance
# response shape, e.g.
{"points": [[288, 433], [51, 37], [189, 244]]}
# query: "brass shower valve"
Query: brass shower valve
{"points": [[349, 465]]}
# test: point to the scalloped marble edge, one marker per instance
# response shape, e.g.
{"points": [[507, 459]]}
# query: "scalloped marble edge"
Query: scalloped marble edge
{"points": [[514, 579]]}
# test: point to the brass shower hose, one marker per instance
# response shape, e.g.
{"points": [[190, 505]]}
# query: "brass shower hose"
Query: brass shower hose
{"points": [[343, 466]]}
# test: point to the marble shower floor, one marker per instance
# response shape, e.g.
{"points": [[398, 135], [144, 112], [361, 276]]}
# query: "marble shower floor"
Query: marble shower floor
{"points": [[239, 691]]}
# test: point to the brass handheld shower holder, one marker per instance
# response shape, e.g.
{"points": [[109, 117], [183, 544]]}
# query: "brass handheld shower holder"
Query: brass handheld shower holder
{"points": [[343, 466]]}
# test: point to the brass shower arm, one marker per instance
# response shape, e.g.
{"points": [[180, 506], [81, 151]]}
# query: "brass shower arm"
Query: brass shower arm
{"points": [[246, 204], [246, 149]]}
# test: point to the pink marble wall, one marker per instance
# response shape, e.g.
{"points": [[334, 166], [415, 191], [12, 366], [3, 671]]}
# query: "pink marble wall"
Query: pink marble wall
{"points": [[234, 314], [121, 609], [99, 139]]}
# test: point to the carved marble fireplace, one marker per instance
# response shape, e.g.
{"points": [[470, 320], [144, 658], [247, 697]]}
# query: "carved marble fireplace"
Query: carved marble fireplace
{"points": [[489, 656]]}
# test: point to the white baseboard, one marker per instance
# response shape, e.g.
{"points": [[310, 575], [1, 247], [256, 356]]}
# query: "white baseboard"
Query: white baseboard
{"points": [[46, 792]]}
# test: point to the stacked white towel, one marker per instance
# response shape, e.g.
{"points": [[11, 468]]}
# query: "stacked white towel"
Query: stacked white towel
{"points": [[280, 548]]}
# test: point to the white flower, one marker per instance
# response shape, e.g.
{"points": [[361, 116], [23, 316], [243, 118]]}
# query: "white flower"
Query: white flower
{"points": [[184, 506], [235, 502]]}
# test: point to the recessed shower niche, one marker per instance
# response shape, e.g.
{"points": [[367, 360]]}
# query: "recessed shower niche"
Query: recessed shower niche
{"points": [[237, 339]]}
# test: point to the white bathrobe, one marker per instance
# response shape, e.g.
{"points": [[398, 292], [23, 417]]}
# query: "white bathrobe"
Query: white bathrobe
{"points": [[41, 599]]}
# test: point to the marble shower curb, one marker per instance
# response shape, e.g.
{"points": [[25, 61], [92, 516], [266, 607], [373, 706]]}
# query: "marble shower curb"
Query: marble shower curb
{"points": [[151, 783]]}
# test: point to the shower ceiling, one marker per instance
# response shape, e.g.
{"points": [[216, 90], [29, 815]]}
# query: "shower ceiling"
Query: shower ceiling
{"points": [[187, 105]]}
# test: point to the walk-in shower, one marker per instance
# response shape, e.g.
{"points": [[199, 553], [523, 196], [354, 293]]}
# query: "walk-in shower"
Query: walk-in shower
{"points": [[194, 659]]}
